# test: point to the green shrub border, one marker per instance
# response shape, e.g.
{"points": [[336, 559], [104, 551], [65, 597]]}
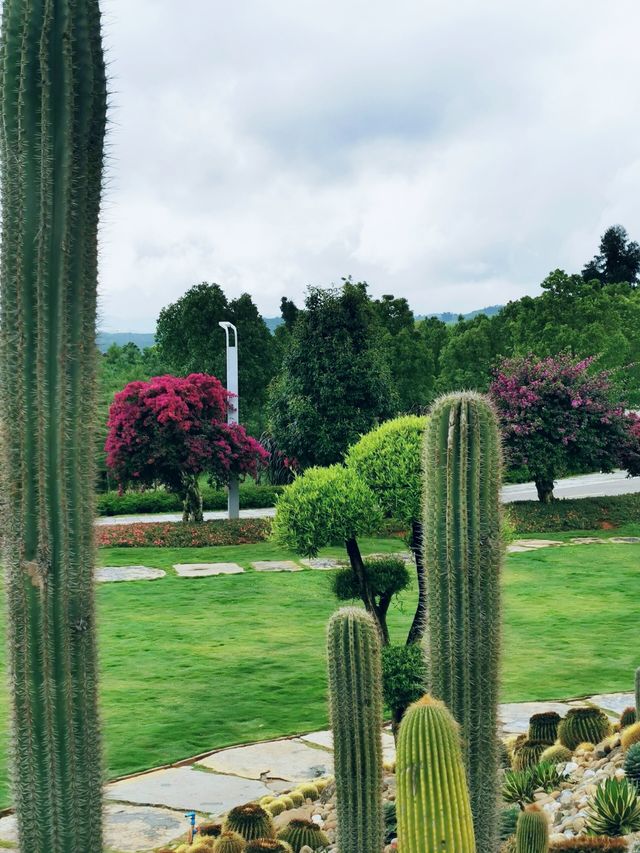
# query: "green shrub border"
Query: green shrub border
{"points": [[575, 514], [252, 496]]}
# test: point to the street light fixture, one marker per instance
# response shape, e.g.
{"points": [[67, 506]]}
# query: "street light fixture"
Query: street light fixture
{"points": [[233, 409]]}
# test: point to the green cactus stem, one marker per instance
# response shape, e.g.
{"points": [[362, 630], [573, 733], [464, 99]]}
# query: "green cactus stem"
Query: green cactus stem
{"points": [[433, 808], [53, 106], [628, 717], [463, 558], [355, 706], [528, 754], [304, 833], [544, 727], [229, 842], [532, 831], [637, 686], [632, 765], [268, 845], [583, 725], [556, 754], [250, 821]]}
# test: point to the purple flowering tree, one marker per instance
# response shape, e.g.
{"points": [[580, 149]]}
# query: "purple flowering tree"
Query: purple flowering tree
{"points": [[559, 416]]}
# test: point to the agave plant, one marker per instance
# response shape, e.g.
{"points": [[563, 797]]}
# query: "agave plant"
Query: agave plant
{"points": [[614, 809], [518, 786], [547, 776]]}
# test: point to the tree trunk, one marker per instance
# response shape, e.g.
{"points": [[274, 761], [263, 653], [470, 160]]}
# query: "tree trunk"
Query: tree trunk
{"points": [[544, 487], [368, 599], [419, 625], [192, 500]]}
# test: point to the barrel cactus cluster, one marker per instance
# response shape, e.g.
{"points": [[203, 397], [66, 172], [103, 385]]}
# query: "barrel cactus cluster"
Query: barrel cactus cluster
{"points": [[583, 725]]}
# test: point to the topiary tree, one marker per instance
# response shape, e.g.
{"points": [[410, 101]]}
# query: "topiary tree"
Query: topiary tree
{"points": [[329, 506], [558, 416], [173, 430], [389, 461], [53, 114]]}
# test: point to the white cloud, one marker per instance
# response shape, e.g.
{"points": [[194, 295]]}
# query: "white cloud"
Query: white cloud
{"points": [[450, 153]]}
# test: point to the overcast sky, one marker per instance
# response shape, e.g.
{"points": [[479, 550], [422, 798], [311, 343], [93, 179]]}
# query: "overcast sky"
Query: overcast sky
{"points": [[452, 153]]}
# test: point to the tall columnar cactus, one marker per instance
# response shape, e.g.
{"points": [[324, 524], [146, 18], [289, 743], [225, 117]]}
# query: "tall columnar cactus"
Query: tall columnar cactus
{"points": [[638, 690], [532, 831], [355, 699], [53, 106], [433, 809], [463, 557]]}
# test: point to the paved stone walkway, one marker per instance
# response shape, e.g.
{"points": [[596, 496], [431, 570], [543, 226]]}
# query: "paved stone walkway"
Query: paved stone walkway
{"points": [[147, 811], [120, 574], [205, 570]]}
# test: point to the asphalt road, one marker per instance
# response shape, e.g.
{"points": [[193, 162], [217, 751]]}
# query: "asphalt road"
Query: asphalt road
{"points": [[589, 485]]}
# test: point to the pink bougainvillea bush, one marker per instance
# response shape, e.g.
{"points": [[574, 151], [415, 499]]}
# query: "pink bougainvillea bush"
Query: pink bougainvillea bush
{"points": [[558, 415], [173, 429], [246, 531]]}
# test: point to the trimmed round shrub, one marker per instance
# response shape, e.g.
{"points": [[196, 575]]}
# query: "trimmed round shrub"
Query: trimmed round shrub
{"points": [[404, 676], [387, 577]]}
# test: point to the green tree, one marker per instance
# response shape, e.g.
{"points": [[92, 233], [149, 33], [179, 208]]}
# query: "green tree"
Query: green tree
{"points": [[190, 340], [335, 383], [618, 259]]}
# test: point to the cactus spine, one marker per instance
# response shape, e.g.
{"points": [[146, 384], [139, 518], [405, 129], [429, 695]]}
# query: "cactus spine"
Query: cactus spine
{"points": [[532, 832], [355, 706], [463, 557], [433, 806], [53, 106]]}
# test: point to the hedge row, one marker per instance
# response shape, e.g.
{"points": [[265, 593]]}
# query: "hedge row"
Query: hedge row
{"points": [[246, 531], [575, 514], [252, 496]]}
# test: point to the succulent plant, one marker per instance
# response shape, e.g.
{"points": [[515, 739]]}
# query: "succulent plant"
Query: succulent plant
{"points": [[321, 784], [585, 746], [589, 725], [288, 802], [203, 844], [528, 754], [301, 833], [250, 821], [52, 123], [390, 814], [310, 790], [508, 821], [518, 786], [630, 735], [463, 554], [268, 845], [614, 809], [433, 807], [547, 776], [229, 842], [296, 798], [210, 828], [275, 807], [532, 831], [544, 727], [508, 845], [556, 754], [264, 801], [628, 717], [632, 765], [355, 705]]}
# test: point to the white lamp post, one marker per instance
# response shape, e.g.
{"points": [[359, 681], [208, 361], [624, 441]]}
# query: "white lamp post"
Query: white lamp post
{"points": [[232, 412]]}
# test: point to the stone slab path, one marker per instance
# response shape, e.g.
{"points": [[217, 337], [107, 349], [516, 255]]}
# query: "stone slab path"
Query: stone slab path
{"points": [[119, 574], [147, 811], [276, 566], [205, 570]]}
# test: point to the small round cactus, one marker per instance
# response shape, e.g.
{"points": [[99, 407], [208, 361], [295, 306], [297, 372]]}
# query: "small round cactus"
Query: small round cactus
{"points": [[268, 845], [309, 791], [528, 754], [264, 801], [556, 754], [632, 765], [629, 736], [544, 727], [532, 831], [589, 725], [296, 798], [288, 802], [275, 807], [627, 718], [210, 828], [250, 821], [204, 844], [301, 833], [229, 842]]}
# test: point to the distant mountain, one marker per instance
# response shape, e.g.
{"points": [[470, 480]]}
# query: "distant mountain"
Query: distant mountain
{"points": [[147, 339], [140, 339]]}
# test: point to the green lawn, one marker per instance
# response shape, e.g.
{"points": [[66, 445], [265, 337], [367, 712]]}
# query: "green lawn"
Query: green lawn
{"points": [[190, 665]]}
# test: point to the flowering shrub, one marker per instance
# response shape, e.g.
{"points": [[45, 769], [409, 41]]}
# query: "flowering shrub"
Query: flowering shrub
{"points": [[179, 535], [557, 417], [171, 430]]}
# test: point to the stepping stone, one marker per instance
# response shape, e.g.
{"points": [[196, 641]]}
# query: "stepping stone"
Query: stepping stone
{"points": [[405, 556], [614, 702], [205, 570], [276, 566], [323, 563], [515, 716], [187, 789], [534, 544], [116, 574], [589, 540], [325, 740], [128, 829], [518, 549], [291, 760], [625, 540]]}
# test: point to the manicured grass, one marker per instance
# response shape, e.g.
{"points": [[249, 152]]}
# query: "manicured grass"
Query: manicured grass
{"points": [[190, 665]]}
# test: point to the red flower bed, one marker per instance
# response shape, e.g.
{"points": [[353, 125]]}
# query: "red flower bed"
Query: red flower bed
{"points": [[178, 535]]}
